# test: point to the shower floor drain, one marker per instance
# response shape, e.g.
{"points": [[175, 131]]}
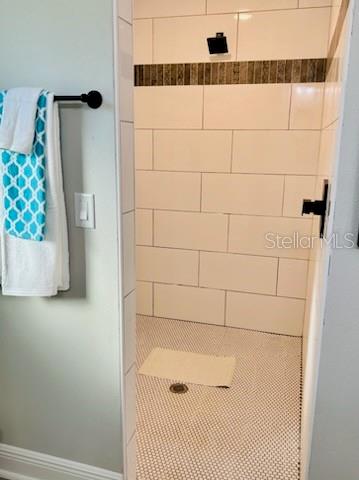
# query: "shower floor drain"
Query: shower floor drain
{"points": [[178, 388]]}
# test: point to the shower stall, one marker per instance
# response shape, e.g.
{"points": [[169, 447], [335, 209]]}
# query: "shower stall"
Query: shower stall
{"points": [[231, 149]]}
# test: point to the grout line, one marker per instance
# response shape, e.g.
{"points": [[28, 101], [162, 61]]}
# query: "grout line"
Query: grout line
{"points": [[225, 307], [290, 106], [130, 440], [307, 277], [126, 296], [228, 231], [153, 40], [299, 217], [235, 12], [237, 37], [156, 209], [125, 212], [153, 227], [220, 325], [218, 289], [283, 130], [326, 127], [219, 252], [153, 149], [203, 100], [337, 32], [175, 129], [153, 298], [277, 279], [128, 23], [323, 100], [283, 196], [232, 152], [275, 174], [199, 268], [200, 193], [133, 365]]}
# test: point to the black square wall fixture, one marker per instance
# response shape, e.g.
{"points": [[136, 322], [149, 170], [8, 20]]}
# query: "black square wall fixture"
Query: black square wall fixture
{"points": [[217, 44]]}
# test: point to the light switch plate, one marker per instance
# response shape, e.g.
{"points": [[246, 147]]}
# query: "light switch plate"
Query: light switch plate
{"points": [[85, 210]]}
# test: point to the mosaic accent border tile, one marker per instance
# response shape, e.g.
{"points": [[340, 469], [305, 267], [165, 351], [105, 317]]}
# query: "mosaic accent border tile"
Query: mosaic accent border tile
{"points": [[307, 70]]}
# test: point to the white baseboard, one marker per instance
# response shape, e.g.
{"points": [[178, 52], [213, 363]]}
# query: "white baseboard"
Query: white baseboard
{"points": [[20, 464]]}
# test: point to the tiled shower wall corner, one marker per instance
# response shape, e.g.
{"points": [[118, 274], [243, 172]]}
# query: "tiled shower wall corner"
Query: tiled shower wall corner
{"points": [[328, 143], [127, 175], [220, 166]]}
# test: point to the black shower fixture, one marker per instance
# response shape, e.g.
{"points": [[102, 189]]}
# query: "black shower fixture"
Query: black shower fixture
{"points": [[217, 44]]}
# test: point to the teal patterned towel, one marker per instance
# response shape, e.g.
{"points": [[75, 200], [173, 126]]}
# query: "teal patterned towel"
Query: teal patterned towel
{"points": [[24, 182]]}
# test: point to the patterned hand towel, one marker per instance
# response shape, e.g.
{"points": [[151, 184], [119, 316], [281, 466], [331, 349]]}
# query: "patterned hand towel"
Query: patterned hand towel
{"points": [[41, 269], [24, 182]]}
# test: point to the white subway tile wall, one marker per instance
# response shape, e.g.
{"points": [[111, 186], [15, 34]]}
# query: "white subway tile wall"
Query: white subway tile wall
{"points": [[292, 278], [279, 34], [127, 178], [246, 273], [131, 459], [227, 6], [144, 227], [125, 10], [130, 331], [315, 3], [142, 41], [193, 151], [297, 188], [337, 45], [128, 253], [144, 149], [127, 163], [144, 295], [175, 32], [184, 39], [265, 313], [306, 106], [202, 305], [327, 149], [333, 85], [257, 235], [261, 151], [169, 107], [168, 191], [130, 403], [246, 194], [168, 8], [126, 76], [193, 231], [247, 107], [220, 166], [167, 265]]}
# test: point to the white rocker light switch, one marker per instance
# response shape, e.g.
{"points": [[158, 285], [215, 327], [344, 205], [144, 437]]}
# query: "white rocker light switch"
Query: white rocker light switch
{"points": [[85, 210]]}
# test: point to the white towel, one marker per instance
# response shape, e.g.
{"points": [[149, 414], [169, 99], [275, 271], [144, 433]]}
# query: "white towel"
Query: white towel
{"points": [[17, 129], [41, 269]]}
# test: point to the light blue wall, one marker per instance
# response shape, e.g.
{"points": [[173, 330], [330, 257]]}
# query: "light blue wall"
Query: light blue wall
{"points": [[59, 358]]}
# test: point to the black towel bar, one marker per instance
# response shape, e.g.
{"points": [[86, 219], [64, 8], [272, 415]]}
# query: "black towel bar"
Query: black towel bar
{"points": [[93, 98]]}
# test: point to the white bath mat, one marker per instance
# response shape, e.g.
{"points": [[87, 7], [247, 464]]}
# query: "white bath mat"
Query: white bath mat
{"points": [[189, 367]]}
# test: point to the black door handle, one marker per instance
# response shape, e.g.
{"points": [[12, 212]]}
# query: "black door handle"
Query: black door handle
{"points": [[318, 207]]}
